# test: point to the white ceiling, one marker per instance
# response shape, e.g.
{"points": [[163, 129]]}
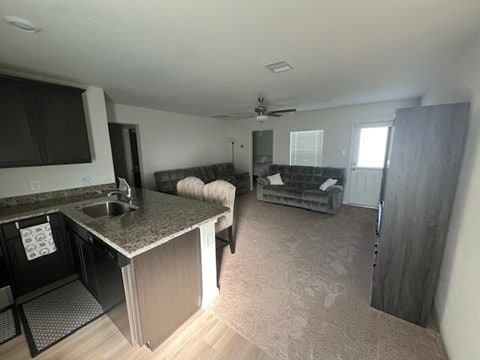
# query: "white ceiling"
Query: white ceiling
{"points": [[207, 57]]}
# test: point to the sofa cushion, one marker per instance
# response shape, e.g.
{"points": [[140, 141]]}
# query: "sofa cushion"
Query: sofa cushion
{"points": [[315, 195], [205, 173], [221, 171], [273, 190], [292, 192]]}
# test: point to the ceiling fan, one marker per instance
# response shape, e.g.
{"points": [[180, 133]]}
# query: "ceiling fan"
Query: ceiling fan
{"points": [[263, 114]]}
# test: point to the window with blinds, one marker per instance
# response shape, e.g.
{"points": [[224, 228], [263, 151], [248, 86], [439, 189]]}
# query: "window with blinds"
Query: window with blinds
{"points": [[306, 147]]}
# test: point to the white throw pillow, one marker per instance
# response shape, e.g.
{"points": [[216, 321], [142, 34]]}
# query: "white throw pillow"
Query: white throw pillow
{"points": [[327, 183], [275, 179]]}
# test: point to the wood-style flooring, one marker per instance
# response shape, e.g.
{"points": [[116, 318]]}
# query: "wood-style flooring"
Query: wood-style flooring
{"points": [[203, 336]]}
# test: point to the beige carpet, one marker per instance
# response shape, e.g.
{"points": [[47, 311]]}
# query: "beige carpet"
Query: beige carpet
{"points": [[299, 287]]}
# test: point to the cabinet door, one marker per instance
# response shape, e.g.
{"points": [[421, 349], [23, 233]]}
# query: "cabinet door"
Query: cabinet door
{"points": [[29, 275], [88, 267], [19, 144], [75, 252], [62, 117]]}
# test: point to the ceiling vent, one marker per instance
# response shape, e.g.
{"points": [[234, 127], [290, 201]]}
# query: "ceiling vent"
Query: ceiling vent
{"points": [[279, 66], [222, 116]]}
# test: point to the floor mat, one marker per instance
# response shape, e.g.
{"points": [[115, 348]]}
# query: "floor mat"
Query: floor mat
{"points": [[51, 317], [9, 324]]}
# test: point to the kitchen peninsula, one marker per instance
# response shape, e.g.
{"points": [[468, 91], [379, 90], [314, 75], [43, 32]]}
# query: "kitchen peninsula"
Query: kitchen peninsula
{"points": [[164, 248]]}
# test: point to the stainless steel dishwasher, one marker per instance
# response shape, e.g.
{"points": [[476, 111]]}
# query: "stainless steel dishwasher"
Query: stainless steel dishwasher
{"points": [[108, 269]]}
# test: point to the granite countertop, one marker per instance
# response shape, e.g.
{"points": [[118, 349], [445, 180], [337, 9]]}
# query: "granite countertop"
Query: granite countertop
{"points": [[159, 218]]}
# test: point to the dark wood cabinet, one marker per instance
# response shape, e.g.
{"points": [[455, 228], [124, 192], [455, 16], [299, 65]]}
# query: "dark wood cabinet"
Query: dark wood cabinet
{"points": [[41, 124], [19, 143], [74, 251], [27, 275], [88, 265], [83, 256], [423, 162]]}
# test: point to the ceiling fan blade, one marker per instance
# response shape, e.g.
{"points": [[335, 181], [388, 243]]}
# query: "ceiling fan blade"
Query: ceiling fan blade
{"points": [[273, 114], [282, 111]]}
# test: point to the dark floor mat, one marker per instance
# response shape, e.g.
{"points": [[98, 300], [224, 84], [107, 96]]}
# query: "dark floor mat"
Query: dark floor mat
{"points": [[51, 317], [9, 324]]}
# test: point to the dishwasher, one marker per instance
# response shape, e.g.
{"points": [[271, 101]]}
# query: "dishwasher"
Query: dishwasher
{"points": [[108, 270]]}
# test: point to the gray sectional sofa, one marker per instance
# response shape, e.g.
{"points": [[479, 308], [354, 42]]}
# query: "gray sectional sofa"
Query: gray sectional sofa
{"points": [[166, 180], [301, 187]]}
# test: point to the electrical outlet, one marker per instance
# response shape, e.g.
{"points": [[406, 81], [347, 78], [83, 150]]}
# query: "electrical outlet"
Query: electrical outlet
{"points": [[86, 180], [35, 185]]}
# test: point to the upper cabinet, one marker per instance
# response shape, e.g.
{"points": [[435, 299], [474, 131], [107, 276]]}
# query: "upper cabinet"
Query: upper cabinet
{"points": [[41, 124]]}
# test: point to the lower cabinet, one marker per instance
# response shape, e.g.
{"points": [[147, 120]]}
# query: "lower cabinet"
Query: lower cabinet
{"points": [[83, 256], [27, 275]]}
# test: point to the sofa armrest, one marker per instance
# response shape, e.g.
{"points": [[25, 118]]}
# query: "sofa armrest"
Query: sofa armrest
{"points": [[263, 181], [335, 198], [243, 176], [334, 189]]}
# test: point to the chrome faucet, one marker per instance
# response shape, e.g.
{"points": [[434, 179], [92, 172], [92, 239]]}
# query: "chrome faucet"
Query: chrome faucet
{"points": [[122, 187]]}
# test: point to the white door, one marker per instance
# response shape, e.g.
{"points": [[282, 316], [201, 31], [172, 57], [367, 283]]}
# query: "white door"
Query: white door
{"points": [[369, 146]]}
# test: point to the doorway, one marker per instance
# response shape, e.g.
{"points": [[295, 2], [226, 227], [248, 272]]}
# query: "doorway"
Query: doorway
{"points": [[126, 158], [368, 158], [262, 152]]}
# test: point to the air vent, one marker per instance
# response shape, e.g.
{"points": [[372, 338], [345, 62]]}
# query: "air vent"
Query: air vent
{"points": [[279, 66], [221, 116]]}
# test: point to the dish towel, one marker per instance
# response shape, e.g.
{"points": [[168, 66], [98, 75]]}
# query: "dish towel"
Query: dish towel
{"points": [[38, 241]]}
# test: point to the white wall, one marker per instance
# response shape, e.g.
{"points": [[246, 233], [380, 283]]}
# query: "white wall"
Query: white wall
{"points": [[336, 122], [457, 300], [171, 141], [16, 181]]}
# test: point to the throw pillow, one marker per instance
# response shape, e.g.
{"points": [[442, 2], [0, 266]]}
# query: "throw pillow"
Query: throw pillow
{"points": [[327, 183], [275, 179]]}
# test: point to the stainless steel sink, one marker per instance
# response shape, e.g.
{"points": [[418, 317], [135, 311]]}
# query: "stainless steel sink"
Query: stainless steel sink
{"points": [[108, 208]]}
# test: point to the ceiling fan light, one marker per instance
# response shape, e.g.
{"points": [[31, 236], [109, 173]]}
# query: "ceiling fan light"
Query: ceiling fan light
{"points": [[262, 117]]}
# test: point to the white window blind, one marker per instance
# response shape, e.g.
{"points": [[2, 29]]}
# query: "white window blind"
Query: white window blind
{"points": [[306, 147]]}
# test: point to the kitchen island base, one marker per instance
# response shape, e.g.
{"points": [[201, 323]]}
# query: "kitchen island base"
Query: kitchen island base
{"points": [[166, 285]]}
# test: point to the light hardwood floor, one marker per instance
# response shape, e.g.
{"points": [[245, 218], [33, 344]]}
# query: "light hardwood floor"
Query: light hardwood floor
{"points": [[203, 336]]}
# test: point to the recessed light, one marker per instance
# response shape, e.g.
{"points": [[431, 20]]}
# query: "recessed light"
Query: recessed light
{"points": [[21, 24], [279, 66]]}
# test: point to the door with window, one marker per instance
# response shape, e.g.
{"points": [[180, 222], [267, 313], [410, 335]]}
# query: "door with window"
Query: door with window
{"points": [[369, 146]]}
